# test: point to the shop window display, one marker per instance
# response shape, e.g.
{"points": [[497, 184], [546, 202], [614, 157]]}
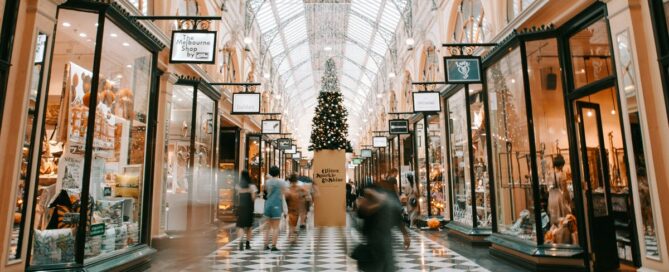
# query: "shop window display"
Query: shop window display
{"points": [[551, 144], [253, 158], [191, 187], [30, 147], [111, 193], [510, 148], [640, 170], [468, 159], [459, 159]]}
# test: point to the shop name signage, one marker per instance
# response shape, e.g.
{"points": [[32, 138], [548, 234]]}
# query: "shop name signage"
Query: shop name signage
{"points": [[271, 127], [356, 161], [193, 47], [284, 143], [245, 103], [398, 126], [329, 175], [462, 69], [366, 153], [297, 155], [426, 102], [380, 141]]}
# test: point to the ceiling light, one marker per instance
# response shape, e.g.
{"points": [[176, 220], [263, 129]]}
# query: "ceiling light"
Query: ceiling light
{"points": [[180, 100], [513, 80], [126, 44], [96, 24], [327, 48], [613, 112], [113, 35], [129, 66], [589, 114], [119, 76], [82, 34], [391, 75], [66, 24], [379, 95], [248, 40], [266, 75], [410, 41]]}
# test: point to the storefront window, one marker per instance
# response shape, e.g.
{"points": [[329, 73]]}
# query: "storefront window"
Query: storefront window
{"points": [[421, 169], [590, 54], [60, 179], [640, 170], [438, 190], [204, 187], [480, 153], [179, 170], [116, 181], [29, 148], [510, 148], [253, 158], [550, 133], [459, 159]]}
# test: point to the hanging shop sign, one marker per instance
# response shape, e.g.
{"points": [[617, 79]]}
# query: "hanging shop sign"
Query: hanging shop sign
{"points": [[245, 103], [398, 126], [292, 150], [193, 46], [297, 155], [462, 69], [284, 143], [356, 161], [380, 141], [366, 153], [271, 127], [426, 102]]}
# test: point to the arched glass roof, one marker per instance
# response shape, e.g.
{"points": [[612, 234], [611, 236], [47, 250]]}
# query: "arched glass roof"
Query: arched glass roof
{"points": [[303, 34]]}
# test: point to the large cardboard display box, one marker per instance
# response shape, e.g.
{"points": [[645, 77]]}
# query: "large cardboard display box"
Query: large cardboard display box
{"points": [[330, 180]]}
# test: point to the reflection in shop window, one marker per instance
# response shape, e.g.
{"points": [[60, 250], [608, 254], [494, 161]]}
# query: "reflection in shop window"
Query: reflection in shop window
{"points": [[459, 159], [30, 147], [631, 102], [590, 54], [510, 148]]}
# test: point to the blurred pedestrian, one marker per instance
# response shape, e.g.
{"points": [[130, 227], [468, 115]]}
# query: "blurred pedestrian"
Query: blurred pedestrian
{"points": [[381, 212], [275, 188], [295, 199], [246, 194], [349, 199]]}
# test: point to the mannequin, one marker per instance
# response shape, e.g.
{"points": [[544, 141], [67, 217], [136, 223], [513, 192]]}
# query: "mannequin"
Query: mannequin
{"points": [[558, 194]]}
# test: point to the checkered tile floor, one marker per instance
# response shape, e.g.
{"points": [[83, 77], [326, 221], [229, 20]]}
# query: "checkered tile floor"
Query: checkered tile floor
{"points": [[327, 249]]}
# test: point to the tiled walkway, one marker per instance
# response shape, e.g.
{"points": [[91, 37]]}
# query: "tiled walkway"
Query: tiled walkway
{"points": [[327, 249]]}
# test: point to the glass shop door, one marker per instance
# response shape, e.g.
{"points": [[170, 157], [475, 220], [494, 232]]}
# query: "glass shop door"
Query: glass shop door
{"points": [[596, 185]]}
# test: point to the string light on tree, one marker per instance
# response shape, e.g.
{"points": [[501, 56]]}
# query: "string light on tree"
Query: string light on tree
{"points": [[329, 125]]}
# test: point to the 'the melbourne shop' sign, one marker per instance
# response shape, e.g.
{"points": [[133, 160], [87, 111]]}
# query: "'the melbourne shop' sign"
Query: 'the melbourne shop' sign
{"points": [[193, 47]]}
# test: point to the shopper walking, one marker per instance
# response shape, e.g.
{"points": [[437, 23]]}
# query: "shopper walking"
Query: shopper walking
{"points": [[246, 194], [295, 199], [381, 212], [275, 188]]}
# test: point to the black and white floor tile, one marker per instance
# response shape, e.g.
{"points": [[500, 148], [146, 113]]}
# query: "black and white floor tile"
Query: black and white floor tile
{"points": [[327, 249]]}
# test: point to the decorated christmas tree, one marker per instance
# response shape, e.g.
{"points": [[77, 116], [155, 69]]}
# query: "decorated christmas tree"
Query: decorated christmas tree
{"points": [[329, 126]]}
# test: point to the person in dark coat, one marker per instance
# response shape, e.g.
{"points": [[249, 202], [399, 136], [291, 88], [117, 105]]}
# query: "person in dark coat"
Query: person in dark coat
{"points": [[381, 211], [246, 194]]}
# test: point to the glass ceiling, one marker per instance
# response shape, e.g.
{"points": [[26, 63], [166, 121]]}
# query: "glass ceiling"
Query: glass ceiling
{"points": [[302, 34]]}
